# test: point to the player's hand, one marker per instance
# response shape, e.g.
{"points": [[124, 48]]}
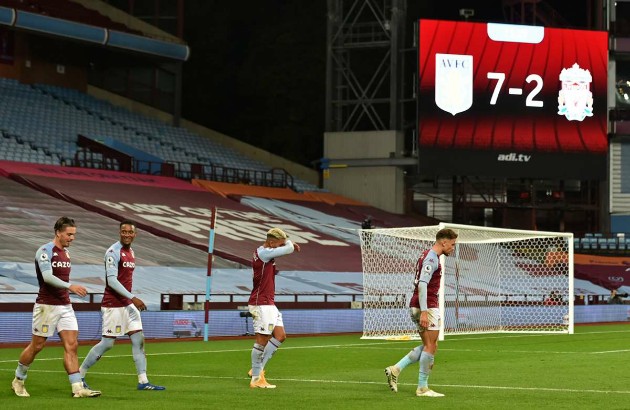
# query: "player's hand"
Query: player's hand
{"points": [[78, 290], [137, 302], [296, 246], [424, 319], [254, 313]]}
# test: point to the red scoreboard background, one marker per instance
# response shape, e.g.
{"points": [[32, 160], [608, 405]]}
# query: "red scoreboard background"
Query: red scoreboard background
{"points": [[512, 101]]}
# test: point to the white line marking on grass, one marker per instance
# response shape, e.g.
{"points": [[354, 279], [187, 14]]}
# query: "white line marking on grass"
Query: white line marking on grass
{"points": [[611, 351], [373, 345], [220, 351], [455, 386], [603, 332]]}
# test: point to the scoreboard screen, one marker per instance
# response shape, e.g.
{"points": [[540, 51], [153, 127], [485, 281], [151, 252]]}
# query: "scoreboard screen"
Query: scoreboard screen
{"points": [[503, 100]]}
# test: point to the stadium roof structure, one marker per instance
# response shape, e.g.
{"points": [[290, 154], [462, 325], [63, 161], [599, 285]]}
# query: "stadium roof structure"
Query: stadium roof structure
{"points": [[70, 20]]}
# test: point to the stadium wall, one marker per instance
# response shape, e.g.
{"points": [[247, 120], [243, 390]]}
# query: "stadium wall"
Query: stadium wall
{"points": [[37, 59], [620, 186], [15, 326], [379, 186]]}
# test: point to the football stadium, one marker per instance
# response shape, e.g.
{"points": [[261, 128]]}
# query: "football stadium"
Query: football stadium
{"points": [[287, 204]]}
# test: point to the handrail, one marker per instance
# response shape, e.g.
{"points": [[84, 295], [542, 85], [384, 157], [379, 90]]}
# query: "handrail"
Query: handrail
{"points": [[275, 177]]}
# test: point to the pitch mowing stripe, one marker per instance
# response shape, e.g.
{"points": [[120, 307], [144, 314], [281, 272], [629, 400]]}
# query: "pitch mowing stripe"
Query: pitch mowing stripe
{"points": [[381, 383]]}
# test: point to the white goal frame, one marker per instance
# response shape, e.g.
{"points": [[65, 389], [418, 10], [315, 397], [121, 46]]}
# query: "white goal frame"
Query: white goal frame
{"points": [[563, 315]]}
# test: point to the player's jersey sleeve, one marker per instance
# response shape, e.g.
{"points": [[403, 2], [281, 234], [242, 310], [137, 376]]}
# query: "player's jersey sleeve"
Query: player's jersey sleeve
{"points": [[267, 254], [43, 259], [112, 261], [429, 265]]}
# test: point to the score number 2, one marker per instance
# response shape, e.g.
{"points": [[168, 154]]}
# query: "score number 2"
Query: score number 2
{"points": [[529, 101]]}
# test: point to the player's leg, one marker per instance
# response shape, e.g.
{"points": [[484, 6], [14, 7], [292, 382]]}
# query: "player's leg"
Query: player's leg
{"points": [[26, 359], [277, 337], [45, 318], [140, 360], [392, 372], [94, 355], [111, 318], [263, 324], [429, 340], [131, 324], [68, 330]]}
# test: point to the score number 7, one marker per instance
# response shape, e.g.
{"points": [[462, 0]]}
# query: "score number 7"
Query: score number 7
{"points": [[529, 101]]}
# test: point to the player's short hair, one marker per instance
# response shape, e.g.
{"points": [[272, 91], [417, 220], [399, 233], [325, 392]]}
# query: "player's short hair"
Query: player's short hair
{"points": [[446, 233], [127, 222], [64, 222], [276, 233]]}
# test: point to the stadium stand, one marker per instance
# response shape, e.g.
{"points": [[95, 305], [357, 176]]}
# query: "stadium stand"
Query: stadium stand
{"points": [[598, 243], [27, 217], [47, 120], [178, 210]]}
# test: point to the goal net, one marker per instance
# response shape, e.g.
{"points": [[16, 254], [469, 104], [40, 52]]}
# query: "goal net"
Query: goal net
{"points": [[496, 280]]}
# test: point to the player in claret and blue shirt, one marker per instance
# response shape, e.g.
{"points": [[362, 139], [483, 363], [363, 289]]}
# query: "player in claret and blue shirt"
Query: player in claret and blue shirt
{"points": [[268, 324], [121, 308], [425, 313], [53, 310]]}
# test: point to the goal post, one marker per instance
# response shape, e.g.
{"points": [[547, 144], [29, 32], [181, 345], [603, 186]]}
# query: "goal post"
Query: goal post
{"points": [[497, 280]]}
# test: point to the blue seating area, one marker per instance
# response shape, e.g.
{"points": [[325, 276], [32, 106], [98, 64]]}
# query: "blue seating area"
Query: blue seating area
{"points": [[40, 123], [598, 242]]}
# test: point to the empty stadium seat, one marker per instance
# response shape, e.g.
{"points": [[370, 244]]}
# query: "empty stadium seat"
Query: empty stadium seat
{"points": [[48, 119]]}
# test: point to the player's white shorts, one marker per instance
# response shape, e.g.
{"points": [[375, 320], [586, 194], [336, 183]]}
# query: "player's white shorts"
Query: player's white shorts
{"points": [[433, 314], [118, 321], [48, 318], [266, 318]]}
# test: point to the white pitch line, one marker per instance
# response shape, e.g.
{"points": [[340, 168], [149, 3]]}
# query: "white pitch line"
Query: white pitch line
{"points": [[611, 351], [248, 349], [373, 345], [455, 386]]}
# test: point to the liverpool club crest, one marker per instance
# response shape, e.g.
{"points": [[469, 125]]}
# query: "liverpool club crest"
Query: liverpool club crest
{"points": [[575, 99]]}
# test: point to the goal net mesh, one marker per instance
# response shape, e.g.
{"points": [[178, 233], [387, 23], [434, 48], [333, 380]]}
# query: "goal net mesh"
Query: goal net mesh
{"points": [[496, 280]]}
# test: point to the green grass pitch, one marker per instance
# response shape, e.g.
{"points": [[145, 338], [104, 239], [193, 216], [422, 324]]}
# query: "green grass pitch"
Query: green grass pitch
{"points": [[496, 371]]}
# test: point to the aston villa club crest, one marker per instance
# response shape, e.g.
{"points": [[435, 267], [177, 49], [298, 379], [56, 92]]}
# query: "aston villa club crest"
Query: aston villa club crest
{"points": [[575, 99], [453, 82]]}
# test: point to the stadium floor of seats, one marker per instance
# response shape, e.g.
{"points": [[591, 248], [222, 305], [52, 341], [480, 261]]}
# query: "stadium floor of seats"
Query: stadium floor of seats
{"points": [[27, 217]]}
